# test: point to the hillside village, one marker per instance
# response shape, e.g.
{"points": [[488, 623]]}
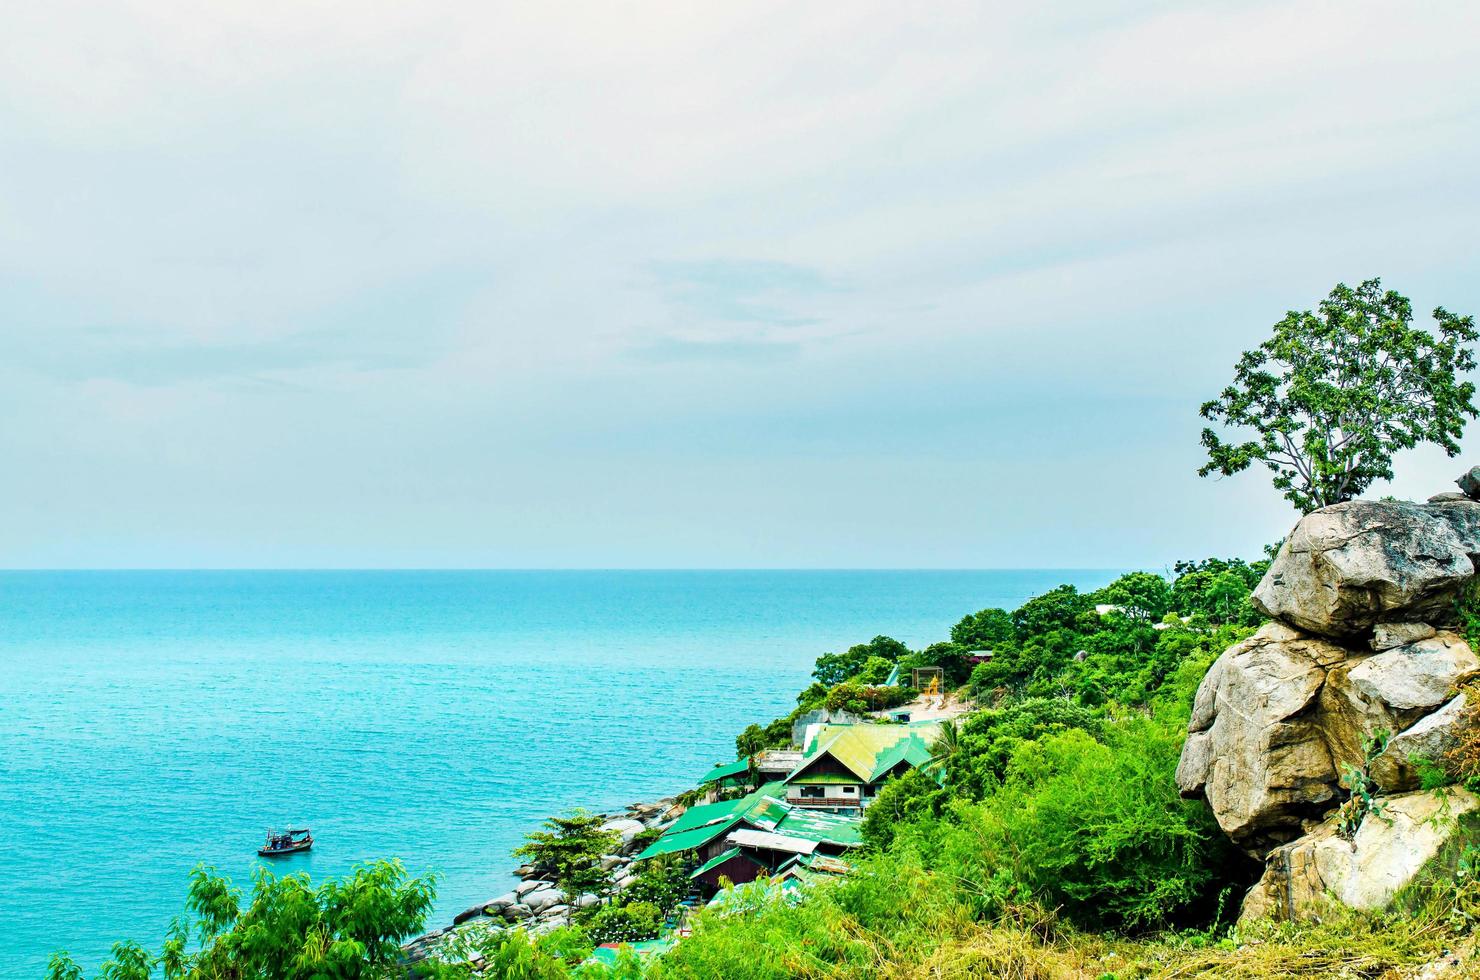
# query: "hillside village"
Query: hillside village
{"points": [[1319, 741]]}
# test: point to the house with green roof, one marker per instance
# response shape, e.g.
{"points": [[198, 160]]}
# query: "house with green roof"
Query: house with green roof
{"points": [[845, 765]]}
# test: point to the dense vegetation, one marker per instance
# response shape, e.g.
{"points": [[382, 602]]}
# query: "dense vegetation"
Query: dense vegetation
{"points": [[1045, 838]]}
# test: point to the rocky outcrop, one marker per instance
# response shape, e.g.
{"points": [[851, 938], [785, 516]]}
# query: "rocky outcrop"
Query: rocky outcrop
{"points": [[536, 905], [1356, 670], [1255, 750], [1279, 714], [1390, 850], [1348, 567], [1432, 738]]}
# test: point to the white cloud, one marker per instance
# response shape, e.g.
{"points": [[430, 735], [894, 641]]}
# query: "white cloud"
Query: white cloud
{"points": [[318, 231]]}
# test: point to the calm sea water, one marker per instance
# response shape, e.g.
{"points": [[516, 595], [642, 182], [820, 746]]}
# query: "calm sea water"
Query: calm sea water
{"points": [[153, 720]]}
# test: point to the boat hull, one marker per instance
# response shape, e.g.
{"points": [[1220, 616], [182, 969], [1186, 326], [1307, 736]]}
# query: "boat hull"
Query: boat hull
{"points": [[269, 852]]}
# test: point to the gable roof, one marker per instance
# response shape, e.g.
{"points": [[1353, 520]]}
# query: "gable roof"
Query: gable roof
{"points": [[686, 840], [725, 771], [910, 750], [860, 748], [701, 824]]}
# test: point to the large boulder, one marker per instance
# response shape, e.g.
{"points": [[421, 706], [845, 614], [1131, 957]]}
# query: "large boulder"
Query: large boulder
{"points": [[1390, 850], [1388, 692], [1347, 567], [1255, 748], [542, 899], [1431, 738]]}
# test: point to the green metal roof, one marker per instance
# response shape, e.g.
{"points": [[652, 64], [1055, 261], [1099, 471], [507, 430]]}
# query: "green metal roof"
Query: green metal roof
{"points": [[859, 748], [686, 840], [726, 770], [716, 861], [813, 825], [910, 750], [701, 824]]}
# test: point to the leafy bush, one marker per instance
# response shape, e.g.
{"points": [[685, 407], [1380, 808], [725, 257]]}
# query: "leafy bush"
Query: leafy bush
{"points": [[345, 928], [624, 923], [904, 798], [1096, 829], [663, 881]]}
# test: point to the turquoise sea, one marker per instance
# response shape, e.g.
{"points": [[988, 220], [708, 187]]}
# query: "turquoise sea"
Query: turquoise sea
{"points": [[153, 720]]}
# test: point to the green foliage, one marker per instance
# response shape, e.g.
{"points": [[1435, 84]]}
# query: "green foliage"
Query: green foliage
{"points": [[855, 697], [834, 668], [1358, 782], [662, 881], [129, 961], [569, 944], [875, 671], [1333, 395], [344, 929], [1141, 595], [989, 738], [1096, 829], [984, 630], [904, 798], [624, 923], [1057, 609], [570, 853], [62, 967]]}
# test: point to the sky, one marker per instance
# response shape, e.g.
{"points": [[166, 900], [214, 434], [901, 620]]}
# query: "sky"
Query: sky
{"points": [[759, 284]]}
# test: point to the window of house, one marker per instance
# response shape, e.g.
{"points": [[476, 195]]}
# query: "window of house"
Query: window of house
{"points": [[848, 790], [811, 792]]}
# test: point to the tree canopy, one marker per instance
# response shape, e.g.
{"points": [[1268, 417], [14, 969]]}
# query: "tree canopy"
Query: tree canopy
{"points": [[1328, 399]]}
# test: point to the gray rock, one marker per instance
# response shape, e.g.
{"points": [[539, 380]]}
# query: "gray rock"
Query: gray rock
{"points": [[1418, 676], [466, 914], [542, 899], [531, 885], [1449, 496], [587, 900], [1302, 879], [1432, 737], [609, 861], [517, 912], [497, 905], [628, 829], [1347, 567], [1469, 483], [1256, 752], [1385, 636]]}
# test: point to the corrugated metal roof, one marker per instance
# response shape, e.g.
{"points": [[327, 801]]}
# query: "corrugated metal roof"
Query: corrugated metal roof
{"points": [[716, 861], [726, 770], [772, 842], [858, 747], [911, 750], [686, 840], [832, 828]]}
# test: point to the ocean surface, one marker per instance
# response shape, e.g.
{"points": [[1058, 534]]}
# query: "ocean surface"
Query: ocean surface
{"points": [[153, 720]]}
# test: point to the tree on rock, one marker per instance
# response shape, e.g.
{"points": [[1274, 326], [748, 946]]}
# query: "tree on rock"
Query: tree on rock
{"points": [[1334, 394]]}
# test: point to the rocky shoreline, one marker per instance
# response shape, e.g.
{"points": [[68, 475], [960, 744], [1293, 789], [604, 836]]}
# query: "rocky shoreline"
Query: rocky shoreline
{"points": [[537, 905]]}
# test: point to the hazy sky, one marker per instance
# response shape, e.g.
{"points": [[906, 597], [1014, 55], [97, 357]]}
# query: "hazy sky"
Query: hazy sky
{"points": [[693, 284]]}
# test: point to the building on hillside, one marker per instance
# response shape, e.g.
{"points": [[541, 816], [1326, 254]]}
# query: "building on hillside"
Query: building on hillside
{"points": [[845, 765], [725, 779], [774, 764], [734, 866], [702, 828], [708, 831]]}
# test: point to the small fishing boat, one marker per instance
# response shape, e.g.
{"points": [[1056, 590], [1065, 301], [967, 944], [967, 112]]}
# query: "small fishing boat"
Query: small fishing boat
{"points": [[288, 842]]}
